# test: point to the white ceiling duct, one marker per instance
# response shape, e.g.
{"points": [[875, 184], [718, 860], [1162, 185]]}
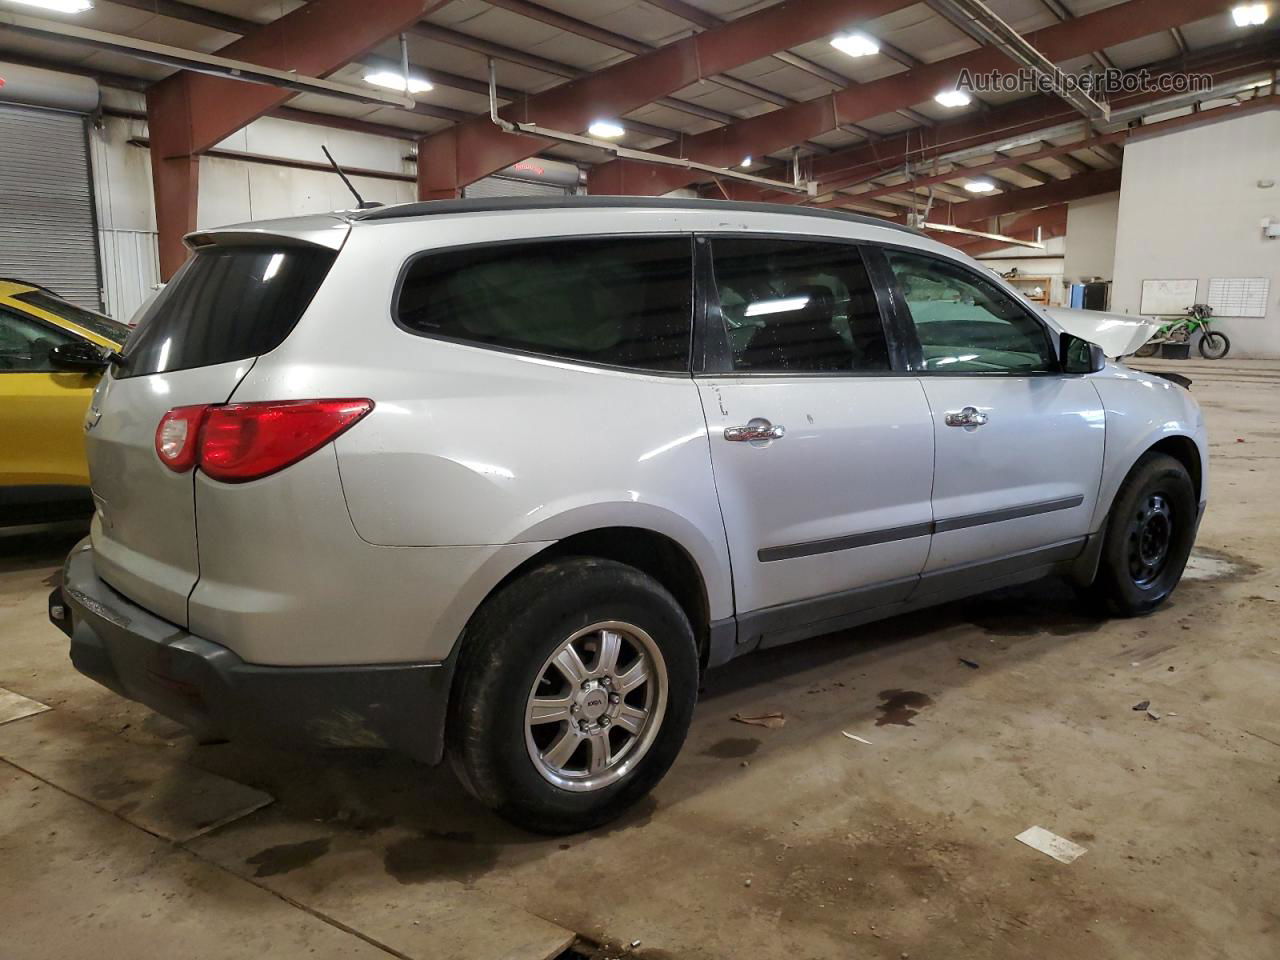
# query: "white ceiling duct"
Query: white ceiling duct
{"points": [[34, 87]]}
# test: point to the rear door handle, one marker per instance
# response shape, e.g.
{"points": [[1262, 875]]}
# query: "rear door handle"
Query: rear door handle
{"points": [[968, 417], [756, 430]]}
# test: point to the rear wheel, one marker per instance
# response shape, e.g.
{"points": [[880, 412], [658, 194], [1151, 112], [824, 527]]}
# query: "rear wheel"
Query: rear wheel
{"points": [[1214, 345], [1148, 537], [575, 691]]}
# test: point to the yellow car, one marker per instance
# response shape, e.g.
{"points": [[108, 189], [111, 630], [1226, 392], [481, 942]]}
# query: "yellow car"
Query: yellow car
{"points": [[52, 354]]}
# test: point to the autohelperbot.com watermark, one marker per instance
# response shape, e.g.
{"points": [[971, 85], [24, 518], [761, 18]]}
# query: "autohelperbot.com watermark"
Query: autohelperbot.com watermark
{"points": [[1096, 83]]}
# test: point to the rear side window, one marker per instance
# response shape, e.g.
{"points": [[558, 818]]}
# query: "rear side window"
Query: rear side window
{"points": [[624, 302], [225, 304], [798, 306]]}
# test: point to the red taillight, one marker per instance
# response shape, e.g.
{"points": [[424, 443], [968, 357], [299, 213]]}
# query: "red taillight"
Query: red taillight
{"points": [[245, 441], [178, 437]]}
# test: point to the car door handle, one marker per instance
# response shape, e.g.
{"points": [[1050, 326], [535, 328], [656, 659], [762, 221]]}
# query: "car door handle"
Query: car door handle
{"points": [[756, 430], [968, 417]]}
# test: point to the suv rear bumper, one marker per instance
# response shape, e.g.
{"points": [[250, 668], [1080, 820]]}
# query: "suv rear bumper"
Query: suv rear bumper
{"points": [[205, 686]]}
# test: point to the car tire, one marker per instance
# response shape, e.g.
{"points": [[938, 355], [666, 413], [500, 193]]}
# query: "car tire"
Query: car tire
{"points": [[1148, 537], [558, 745]]}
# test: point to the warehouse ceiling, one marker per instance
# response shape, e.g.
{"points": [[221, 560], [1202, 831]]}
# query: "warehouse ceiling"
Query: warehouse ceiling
{"points": [[537, 45]]}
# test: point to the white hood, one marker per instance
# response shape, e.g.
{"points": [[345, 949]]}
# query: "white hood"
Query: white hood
{"points": [[1118, 334]]}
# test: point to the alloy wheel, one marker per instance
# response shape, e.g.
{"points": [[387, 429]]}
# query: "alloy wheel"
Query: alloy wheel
{"points": [[596, 706]]}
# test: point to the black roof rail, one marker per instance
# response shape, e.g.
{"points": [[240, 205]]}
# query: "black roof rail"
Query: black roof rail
{"points": [[425, 208]]}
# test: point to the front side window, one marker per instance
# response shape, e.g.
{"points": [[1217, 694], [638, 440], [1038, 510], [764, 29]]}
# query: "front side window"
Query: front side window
{"points": [[798, 306], [965, 322], [25, 344], [620, 301]]}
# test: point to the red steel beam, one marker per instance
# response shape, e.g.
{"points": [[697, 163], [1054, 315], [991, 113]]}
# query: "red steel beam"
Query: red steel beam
{"points": [[865, 162], [783, 128], [453, 158], [187, 113]]}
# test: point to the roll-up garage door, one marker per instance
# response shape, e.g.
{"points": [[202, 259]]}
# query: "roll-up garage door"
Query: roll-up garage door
{"points": [[46, 204], [504, 187]]}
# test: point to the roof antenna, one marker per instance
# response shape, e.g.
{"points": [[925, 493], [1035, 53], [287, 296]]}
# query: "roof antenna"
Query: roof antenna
{"points": [[361, 202]]}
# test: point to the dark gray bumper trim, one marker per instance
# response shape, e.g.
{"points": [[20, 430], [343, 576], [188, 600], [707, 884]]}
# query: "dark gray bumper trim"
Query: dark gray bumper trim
{"points": [[207, 687]]}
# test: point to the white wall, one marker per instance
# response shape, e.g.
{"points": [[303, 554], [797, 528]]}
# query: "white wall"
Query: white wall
{"points": [[1190, 207], [1091, 238], [1031, 266], [232, 191]]}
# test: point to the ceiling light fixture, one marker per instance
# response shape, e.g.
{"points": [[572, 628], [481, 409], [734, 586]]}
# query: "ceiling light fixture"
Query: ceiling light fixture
{"points": [[979, 186], [954, 98], [1250, 14], [606, 129], [855, 44], [395, 81], [59, 6]]}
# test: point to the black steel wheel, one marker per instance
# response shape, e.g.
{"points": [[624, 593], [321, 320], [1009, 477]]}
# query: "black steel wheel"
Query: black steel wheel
{"points": [[1148, 536]]}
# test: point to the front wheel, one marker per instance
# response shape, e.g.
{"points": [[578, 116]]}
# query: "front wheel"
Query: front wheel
{"points": [[1214, 345], [1147, 350], [575, 690], [1148, 537]]}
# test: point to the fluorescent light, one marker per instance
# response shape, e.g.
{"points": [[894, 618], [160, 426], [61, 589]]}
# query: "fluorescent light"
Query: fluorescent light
{"points": [[762, 308], [979, 186], [1012, 241], [746, 162], [1250, 14], [855, 44], [606, 129], [395, 81], [59, 6], [954, 98]]}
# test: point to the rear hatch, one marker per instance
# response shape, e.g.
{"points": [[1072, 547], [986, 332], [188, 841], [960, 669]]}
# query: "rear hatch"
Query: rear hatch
{"points": [[238, 297]]}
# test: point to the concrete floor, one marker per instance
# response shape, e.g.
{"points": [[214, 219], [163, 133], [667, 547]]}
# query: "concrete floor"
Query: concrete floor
{"points": [[761, 843]]}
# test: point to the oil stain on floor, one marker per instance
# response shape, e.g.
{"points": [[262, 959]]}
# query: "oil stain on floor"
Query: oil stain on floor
{"points": [[288, 856], [898, 707]]}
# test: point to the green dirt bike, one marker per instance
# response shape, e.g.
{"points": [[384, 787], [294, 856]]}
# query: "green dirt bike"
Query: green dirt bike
{"points": [[1213, 345]]}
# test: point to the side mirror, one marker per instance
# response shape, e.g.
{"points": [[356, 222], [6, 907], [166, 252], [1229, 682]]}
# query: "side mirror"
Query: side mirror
{"points": [[1081, 356], [79, 355]]}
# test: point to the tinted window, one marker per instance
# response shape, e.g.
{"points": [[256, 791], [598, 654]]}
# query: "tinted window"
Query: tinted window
{"points": [[93, 322], [798, 307], [966, 323], [626, 302], [25, 344], [226, 303]]}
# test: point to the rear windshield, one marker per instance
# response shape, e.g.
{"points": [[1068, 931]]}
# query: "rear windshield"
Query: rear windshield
{"points": [[225, 304], [95, 323]]}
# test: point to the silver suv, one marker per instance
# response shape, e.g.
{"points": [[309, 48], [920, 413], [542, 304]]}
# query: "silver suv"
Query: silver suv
{"points": [[499, 479]]}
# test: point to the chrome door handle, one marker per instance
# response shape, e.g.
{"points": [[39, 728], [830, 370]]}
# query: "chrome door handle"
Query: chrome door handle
{"points": [[968, 417], [756, 430]]}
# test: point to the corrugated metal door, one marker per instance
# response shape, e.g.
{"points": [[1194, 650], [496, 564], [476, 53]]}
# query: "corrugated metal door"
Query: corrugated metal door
{"points": [[46, 204], [505, 187]]}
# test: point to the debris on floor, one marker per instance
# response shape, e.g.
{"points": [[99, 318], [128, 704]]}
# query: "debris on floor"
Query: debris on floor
{"points": [[770, 720], [971, 664], [1050, 844], [14, 706], [854, 736], [1154, 715], [1141, 705]]}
